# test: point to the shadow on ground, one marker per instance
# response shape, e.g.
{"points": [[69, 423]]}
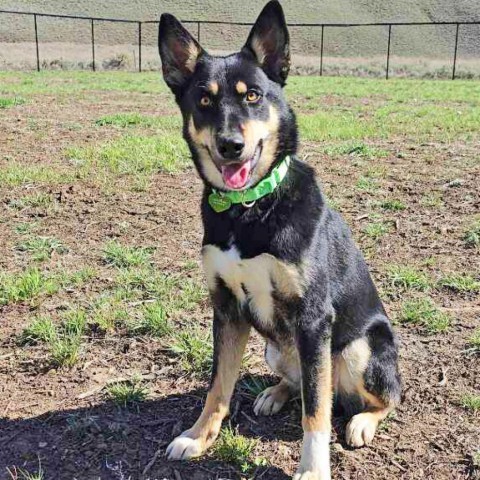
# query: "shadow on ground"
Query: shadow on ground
{"points": [[107, 442]]}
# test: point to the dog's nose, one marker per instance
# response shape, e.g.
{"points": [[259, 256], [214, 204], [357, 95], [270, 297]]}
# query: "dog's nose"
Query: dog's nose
{"points": [[230, 147]]}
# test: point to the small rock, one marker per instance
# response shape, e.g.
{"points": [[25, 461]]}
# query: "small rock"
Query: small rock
{"points": [[337, 447], [42, 444]]}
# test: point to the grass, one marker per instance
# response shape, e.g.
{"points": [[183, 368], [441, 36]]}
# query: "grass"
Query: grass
{"points": [[119, 255], [64, 341], [26, 285], [42, 329], [133, 154], [471, 402], [460, 283], [424, 313], [124, 120], [15, 173], [22, 474], [254, 385], [194, 351], [108, 311], [74, 322], [41, 248], [233, 448], [153, 321], [34, 201], [127, 393], [393, 205], [376, 230], [471, 236], [367, 184], [408, 278], [7, 102], [25, 228], [65, 350], [473, 342]]}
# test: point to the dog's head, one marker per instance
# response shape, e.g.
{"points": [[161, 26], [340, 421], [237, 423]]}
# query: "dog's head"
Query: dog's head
{"points": [[236, 120]]}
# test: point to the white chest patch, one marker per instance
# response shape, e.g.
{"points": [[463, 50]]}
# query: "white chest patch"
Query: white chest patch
{"points": [[253, 279]]}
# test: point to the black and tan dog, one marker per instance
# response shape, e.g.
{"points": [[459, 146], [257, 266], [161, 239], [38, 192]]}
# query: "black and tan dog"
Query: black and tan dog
{"points": [[275, 256]]}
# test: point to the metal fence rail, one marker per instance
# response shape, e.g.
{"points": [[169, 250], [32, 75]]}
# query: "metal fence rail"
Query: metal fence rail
{"points": [[323, 26]]}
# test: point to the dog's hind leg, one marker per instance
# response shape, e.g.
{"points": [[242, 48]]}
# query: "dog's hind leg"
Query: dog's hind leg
{"points": [[230, 338], [367, 382], [283, 360]]}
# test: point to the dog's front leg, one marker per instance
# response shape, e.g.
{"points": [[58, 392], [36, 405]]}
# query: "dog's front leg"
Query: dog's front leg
{"points": [[230, 339], [313, 340]]}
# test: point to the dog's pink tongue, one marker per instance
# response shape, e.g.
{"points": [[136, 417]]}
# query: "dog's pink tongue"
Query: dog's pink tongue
{"points": [[236, 175]]}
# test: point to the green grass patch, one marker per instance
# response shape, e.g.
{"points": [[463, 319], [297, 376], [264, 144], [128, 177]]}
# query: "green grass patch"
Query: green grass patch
{"points": [[26, 285], [108, 311], [367, 184], [408, 278], [41, 330], [41, 248], [194, 350], [253, 386], [460, 283], [127, 393], [471, 236], [7, 102], [233, 448], [74, 322], [153, 320], [34, 201], [332, 125], [393, 205], [470, 402], [124, 120], [423, 312], [65, 350], [121, 256], [432, 199], [134, 154], [25, 228], [376, 230], [473, 342], [64, 341], [15, 174]]}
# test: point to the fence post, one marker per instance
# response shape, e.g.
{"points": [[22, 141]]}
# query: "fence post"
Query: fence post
{"points": [[321, 51], [139, 46], [93, 44], [36, 41], [388, 51], [455, 52], [198, 32]]}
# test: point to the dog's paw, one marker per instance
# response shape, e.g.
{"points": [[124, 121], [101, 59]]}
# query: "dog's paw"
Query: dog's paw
{"points": [[309, 475], [361, 430], [271, 400], [184, 447]]}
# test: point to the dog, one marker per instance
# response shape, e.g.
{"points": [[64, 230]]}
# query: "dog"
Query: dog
{"points": [[276, 257]]}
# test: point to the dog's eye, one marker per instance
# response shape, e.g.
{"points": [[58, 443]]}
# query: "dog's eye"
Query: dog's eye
{"points": [[205, 101], [252, 96]]}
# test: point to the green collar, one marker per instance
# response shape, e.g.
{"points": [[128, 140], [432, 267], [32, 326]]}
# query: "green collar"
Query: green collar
{"points": [[221, 201]]}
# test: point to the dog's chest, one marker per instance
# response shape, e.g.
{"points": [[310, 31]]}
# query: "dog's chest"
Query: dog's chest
{"points": [[258, 283]]}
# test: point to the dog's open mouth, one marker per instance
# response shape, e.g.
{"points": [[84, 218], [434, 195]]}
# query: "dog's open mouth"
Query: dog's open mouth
{"points": [[236, 175]]}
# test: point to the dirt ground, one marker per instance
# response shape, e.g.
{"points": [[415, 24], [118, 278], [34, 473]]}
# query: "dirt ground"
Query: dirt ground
{"points": [[61, 418]]}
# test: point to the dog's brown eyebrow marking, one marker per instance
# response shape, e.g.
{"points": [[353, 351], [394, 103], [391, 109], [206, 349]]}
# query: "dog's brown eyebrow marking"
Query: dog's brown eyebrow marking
{"points": [[241, 87], [213, 88]]}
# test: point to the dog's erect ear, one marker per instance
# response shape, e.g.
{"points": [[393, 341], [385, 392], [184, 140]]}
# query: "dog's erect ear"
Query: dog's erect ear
{"points": [[179, 51], [269, 42]]}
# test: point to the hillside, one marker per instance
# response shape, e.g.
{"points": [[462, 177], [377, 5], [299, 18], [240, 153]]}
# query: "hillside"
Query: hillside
{"points": [[431, 42]]}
